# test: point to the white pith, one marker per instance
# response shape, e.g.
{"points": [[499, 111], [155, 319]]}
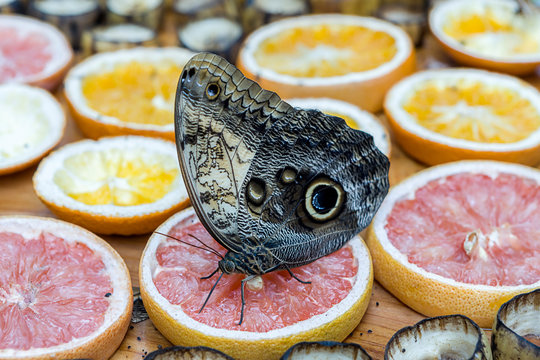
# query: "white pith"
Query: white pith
{"points": [[49, 110], [365, 121], [406, 190], [402, 42], [439, 13], [46, 187], [59, 46], [107, 61], [149, 266], [31, 227], [403, 89]]}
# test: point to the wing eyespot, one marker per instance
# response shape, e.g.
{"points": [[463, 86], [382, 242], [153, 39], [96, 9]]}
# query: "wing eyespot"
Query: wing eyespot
{"points": [[287, 176], [256, 192], [324, 199], [191, 72], [212, 91]]}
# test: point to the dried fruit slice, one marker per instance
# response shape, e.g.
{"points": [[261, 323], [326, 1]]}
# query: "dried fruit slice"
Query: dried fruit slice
{"points": [[32, 123], [118, 185], [279, 311], [459, 238], [187, 353], [64, 292], [325, 350]]}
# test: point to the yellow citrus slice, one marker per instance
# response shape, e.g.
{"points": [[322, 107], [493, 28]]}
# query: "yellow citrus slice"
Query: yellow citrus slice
{"points": [[116, 185], [126, 92], [32, 123], [64, 292], [279, 312], [350, 58], [490, 34], [354, 117], [459, 238], [452, 114]]}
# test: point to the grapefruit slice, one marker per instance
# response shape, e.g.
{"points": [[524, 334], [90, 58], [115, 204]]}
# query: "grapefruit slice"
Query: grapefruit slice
{"points": [[279, 312], [33, 52], [126, 92], [350, 58], [64, 292], [459, 238], [489, 34], [117, 185], [32, 123], [457, 114], [354, 117]]}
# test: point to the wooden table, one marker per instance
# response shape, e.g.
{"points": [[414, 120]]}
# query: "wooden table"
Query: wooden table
{"points": [[385, 314]]}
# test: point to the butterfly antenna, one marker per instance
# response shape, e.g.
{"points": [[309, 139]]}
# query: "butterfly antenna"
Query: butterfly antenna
{"points": [[206, 248], [210, 293]]}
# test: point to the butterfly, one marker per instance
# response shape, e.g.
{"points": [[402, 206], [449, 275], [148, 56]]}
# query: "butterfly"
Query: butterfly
{"points": [[277, 186]]}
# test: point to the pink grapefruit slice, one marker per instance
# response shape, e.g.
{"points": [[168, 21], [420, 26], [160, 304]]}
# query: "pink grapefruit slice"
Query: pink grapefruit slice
{"points": [[460, 238], [279, 312], [32, 52], [64, 292]]}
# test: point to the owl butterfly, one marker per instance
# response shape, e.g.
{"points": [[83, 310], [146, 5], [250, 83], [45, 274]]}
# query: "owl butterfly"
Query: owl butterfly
{"points": [[277, 186]]}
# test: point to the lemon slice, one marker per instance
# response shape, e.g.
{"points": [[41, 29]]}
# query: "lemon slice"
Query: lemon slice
{"points": [[32, 123], [452, 114], [126, 92], [350, 58], [122, 185]]}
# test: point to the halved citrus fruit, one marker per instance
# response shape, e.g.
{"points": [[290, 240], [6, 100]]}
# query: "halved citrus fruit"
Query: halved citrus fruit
{"points": [[32, 123], [455, 114], [33, 52], [280, 311], [116, 185], [350, 58], [126, 92], [354, 117], [64, 292], [459, 238], [491, 34]]}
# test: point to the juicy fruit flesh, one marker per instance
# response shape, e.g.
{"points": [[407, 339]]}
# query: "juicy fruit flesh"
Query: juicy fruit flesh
{"points": [[325, 50], [278, 302], [470, 110], [23, 123], [135, 92], [121, 177], [472, 228], [50, 291], [23, 53]]}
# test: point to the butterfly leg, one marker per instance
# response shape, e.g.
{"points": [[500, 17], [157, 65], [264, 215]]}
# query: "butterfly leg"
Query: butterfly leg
{"points": [[210, 293], [296, 278], [212, 274], [242, 286]]}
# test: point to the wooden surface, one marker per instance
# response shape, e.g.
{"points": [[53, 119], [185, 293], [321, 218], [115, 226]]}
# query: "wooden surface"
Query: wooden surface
{"points": [[385, 314]]}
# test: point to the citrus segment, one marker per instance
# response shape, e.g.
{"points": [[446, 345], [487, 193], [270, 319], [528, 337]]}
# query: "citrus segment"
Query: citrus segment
{"points": [[64, 293], [122, 185], [279, 312], [459, 238], [450, 114], [351, 58], [33, 52], [32, 123]]}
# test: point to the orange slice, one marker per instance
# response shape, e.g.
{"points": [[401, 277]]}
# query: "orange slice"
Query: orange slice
{"points": [[354, 117], [459, 238], [118, 185], [452, 114], [490, 34], [279, 312], [126, 92], [32, 123], [33, 52], [350, 58], [64, 292]]}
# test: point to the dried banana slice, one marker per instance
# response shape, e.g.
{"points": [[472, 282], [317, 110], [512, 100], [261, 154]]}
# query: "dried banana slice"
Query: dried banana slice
{"points": [[11, 6], [116, 37], [187, 353], [325, 350], [142, 12]]}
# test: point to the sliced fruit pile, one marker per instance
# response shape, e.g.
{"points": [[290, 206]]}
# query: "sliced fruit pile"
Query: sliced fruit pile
{"points": [[33, 52], [126, 91], [32, 123], [459, 238], [64, 292], [280, 310], [350, 58], [444, 115], [122, 185]]}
